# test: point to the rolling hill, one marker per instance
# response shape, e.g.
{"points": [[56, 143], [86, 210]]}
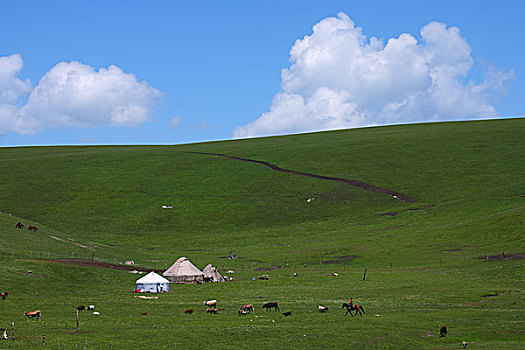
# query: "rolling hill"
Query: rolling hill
{"points": [[434, 212]]}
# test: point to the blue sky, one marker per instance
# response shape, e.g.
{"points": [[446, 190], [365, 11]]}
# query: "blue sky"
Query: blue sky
{"points": [[212, 70]]}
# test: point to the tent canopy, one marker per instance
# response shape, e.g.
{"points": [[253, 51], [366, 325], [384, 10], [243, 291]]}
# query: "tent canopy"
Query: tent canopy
{"points": [[152, 277], [211, 273], [183, 271]]}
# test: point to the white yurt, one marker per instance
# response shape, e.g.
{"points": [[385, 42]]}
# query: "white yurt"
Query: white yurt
{"points": [[153, 283], [183, 271]]}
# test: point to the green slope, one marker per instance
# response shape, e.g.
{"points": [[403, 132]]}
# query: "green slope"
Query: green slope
{"points": [[104, 202]]}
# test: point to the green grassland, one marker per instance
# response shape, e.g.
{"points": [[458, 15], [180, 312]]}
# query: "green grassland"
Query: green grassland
{"points": [[425, 264]]}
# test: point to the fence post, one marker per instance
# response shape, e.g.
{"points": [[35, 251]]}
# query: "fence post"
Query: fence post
{"points": [[36, 340], [13, 330], [110, 346], [43, 340], [85, 346], [58, 343]]}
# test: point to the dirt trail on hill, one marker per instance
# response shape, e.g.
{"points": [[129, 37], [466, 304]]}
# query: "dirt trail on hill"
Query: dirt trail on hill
{"points": [[355, 183]]}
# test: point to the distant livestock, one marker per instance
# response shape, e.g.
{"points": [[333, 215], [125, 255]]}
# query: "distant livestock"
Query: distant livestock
{"points": [[91, 308], [19, 225], [81, 308], [443, 331], [32, 228], [212, 311], [3, 333], [32, 314], [210, 303], [287, 313], [269, 306], [241, 312], [4, 295], [323, 308], [188, 311], [248, 308]]}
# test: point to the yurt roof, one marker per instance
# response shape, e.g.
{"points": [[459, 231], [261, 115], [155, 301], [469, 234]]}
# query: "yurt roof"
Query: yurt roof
{"points": [[152, 277], [182, 267]]}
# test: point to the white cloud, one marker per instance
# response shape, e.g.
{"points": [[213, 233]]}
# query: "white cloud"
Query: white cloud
{"points": [[174, 122], [72, 94], [339, 79]]}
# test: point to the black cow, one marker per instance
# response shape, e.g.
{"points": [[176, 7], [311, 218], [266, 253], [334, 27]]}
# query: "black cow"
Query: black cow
{"points": [[269, 306]]}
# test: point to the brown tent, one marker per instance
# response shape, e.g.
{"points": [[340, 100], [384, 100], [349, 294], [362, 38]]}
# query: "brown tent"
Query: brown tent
{"points": [[183, 271], [212, 274]]}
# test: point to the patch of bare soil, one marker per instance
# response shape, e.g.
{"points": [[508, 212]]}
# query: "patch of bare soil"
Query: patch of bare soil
{"points": [[502, 257], [102, 265], [355, 183]]}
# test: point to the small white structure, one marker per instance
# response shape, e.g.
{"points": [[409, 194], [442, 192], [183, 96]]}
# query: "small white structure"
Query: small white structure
{"points": [[153, 283]]}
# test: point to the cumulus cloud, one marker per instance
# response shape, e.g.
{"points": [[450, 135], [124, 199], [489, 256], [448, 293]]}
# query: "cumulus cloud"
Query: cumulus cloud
{"points": [[72, 94], [337, 79]]}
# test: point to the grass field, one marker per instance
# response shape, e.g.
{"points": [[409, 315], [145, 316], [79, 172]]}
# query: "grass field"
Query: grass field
{"points": [[429, 263]]}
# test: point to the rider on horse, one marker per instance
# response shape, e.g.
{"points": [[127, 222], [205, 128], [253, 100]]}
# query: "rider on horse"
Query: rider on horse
{"points": [[351, 303]]}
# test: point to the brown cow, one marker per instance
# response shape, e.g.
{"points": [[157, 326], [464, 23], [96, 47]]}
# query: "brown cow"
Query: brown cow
{"points": [[32, 314], [188, 311], [248, 308], [241, 312], [4, 295]]}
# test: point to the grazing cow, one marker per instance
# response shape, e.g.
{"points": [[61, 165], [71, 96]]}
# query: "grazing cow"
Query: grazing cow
{"points": [[144, 314], [3, 333], [212, 311], [32, 228], [81, 308], [4, 295], [248, 308], [287, 313], [241, 312], [464, 344], [273, 305], [188, 311], [19, 225], [323, 308], [210, 303], [32, 314], [443, 331], [91, 308]]}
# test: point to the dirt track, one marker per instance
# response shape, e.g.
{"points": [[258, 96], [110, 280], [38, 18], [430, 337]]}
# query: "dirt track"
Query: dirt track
{"points": [[355, 183]]}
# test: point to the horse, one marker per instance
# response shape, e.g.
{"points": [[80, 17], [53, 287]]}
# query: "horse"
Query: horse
{"points": [[31, 314], [354, 307], [4, 295], [273, 305], [19, 225], [32, 228]]}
